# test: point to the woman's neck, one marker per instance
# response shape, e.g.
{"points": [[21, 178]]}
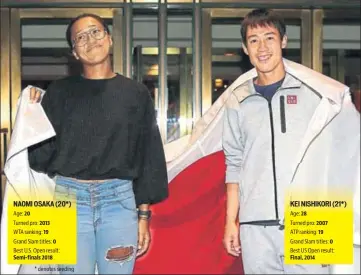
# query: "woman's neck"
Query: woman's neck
{"points": [[99, 71]]}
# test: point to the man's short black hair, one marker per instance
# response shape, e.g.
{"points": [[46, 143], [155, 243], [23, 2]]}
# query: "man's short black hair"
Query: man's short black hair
{"points": [[262, 17], [96, 17]]}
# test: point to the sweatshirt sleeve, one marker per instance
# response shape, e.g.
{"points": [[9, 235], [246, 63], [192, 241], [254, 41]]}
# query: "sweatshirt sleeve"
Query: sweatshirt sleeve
{"points": [[41, 154], [231, 142], [151, 186]]}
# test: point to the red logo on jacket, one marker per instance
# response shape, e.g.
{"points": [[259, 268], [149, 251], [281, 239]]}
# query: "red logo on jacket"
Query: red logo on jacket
{"points": [[291, 99]]}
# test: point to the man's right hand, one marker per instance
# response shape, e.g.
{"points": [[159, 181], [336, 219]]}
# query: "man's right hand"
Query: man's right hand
{"points": [[231, 240], [35, 95]]}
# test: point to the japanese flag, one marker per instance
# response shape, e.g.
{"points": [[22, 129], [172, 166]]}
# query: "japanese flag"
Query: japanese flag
{"points": [[188, 227]]}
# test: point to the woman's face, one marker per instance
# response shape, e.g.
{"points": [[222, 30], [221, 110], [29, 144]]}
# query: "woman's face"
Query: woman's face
{"points": [[91, 42]]}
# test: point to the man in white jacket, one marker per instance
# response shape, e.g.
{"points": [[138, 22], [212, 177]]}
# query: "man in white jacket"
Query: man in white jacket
{"points": [[285, 126]]}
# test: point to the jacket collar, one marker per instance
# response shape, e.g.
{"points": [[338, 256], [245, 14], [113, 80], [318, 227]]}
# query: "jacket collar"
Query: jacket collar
{"points": [[296, 76], [290, 82]]}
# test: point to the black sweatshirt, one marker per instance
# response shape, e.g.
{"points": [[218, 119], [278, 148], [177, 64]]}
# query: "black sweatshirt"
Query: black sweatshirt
{"points": [[105, 129]]}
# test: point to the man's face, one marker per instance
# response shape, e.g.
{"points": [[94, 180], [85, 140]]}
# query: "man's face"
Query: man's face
{"points": [[91, 45], [264, 47]]}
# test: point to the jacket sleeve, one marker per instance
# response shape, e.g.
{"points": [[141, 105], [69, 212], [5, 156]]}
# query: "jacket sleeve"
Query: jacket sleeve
{"points": [[231, 141], [41, 154], [151, 186]]}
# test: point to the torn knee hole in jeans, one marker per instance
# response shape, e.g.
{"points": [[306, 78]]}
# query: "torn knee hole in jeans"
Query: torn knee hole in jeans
{"points": [[120, 253]]}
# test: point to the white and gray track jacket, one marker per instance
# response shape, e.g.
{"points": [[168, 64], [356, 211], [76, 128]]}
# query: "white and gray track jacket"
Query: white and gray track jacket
{"points": [[307, 136]]}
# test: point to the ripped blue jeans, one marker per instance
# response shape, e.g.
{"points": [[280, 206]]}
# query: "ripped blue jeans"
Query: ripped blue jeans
{"points": [[107, 225]]}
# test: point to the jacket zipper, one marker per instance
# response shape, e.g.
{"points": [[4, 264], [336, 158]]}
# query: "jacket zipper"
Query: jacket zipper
{"points": [[271, 222], [273, 159]]}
